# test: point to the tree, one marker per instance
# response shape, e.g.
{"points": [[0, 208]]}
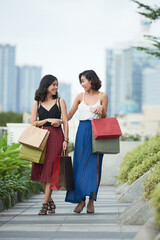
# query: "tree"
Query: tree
{"points": [[10, 117], [152, 14]]}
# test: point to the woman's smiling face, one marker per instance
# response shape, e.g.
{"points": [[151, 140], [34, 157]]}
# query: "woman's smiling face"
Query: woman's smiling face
{"points": [[86, 84], [52, 89]]}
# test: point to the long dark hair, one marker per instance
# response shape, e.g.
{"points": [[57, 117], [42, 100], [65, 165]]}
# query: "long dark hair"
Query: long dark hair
{"points": [[91, 76], [41, 92]]}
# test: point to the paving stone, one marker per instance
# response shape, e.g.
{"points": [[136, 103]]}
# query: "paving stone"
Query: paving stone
{"points": [[23, 222]]}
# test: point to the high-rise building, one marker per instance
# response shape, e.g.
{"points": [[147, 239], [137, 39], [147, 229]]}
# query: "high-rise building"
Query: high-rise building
{"points": [[151, 86], [124, 78], [64, 90], [7, 78], [28, 79]]}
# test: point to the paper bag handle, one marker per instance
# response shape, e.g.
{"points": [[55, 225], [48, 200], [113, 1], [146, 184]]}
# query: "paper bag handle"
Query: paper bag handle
{"points": [[64, 152]]}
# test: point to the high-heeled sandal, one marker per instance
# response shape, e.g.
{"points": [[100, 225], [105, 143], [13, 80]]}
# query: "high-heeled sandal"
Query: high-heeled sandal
{"points": [[44, 209], [51, 207], [79, 209], [91, 209]]}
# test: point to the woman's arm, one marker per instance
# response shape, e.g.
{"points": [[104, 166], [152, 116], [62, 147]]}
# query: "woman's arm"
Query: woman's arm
{"points": [[104, 101], [65, 122], [102, 109], [74, 107]]}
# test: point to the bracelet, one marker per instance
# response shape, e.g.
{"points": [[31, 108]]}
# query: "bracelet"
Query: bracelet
{"points": [[66, 141]]}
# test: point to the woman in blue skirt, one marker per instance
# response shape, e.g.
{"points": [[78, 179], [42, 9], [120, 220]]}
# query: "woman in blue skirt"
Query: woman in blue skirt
{"points": [[87, 165]]}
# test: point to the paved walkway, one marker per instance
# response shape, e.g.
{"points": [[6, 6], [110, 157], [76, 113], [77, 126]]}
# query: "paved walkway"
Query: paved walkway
{"points": [[22, 221]]}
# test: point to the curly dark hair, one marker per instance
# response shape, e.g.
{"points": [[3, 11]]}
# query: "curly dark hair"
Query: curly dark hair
{"points": [[41, 92], [91, 76]]}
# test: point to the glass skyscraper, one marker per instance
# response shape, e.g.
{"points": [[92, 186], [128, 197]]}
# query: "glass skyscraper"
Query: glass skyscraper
{"points": [[151, 86], [64, 90], [28, 79], [124, 70], [7, 78]]}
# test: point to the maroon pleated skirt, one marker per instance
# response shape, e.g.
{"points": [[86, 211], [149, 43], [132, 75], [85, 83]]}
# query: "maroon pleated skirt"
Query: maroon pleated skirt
{"points": [[42, 173]]}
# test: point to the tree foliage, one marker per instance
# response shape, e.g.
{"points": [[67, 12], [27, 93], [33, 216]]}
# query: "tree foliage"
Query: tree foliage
{"points": [[152, 14], [10, 117]]}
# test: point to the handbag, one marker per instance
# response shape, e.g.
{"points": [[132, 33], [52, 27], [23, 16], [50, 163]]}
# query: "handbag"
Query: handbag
{"points": [[62, 176], [34, 137], [106, 146], [106, 128], [32, 154], [105, 136]]}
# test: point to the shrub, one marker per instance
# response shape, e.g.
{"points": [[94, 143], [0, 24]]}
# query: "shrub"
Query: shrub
{"points": [[130, 137], [151, 182], [142, 168], [156, 204], [137, 156], [10, 117], [14, 173]]}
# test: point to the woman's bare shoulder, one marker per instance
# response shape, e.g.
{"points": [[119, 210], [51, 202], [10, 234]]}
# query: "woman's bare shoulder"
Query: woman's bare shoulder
{"points": [[35, 103], [79, 97], [103, 95]]}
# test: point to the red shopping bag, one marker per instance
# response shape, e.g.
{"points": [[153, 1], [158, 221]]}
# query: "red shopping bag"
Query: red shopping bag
{"points": [[62, 175], [106, 128]]}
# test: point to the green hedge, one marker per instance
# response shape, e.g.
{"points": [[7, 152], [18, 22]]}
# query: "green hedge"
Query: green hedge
{"points": [[156, 204], [151, 182], [10, 117], [14, 173], [143, 153], [142, 168]]}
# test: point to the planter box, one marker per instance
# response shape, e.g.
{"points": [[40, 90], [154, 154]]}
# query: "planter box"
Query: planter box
{"points": [[18, 197]]}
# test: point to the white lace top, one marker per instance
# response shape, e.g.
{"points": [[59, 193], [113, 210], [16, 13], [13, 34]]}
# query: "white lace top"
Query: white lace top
{"points": [[84, 110]]}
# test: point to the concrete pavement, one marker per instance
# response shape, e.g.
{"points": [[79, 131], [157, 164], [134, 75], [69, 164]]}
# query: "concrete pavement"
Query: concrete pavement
{"points": [[22, 221]]}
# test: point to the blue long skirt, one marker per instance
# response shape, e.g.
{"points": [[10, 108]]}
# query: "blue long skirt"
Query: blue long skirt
{"points": [[84, 166]]}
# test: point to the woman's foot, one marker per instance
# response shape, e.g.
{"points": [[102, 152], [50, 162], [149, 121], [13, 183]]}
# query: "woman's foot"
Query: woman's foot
{"points": [[44, 209], [51, 207], [90, 206], [79, 207]]}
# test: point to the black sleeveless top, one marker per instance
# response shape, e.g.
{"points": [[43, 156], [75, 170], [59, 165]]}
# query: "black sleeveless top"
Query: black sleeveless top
{"points": [[54, 112]]}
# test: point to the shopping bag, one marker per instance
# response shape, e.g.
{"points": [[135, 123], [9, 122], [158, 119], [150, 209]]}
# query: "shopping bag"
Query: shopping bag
{"points": [[62, 176], [34, 137], [32, 154], [106, 128], [106, 146]]}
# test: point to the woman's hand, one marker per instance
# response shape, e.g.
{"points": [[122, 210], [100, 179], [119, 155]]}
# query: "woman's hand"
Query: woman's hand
{"points": [[65, 145], [98, 110], [54, 122]]}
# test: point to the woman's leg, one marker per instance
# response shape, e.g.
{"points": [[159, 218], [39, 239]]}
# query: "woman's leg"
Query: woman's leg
{"points": [[90, 205], [44, 188], [47, 191]]}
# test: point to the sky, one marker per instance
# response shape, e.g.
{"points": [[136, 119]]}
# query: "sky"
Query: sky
{"points": [[66, 37]]}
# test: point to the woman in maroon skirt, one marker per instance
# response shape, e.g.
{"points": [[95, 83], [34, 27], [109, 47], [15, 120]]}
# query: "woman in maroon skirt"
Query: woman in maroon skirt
{"points": [[48, 107]]}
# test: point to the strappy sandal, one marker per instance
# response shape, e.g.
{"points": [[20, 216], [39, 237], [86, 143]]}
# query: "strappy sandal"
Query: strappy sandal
{"points": [[44, 209], [51, 207]]}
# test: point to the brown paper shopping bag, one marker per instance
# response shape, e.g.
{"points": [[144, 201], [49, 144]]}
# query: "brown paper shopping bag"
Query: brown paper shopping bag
{"points": [[34, 137]]}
